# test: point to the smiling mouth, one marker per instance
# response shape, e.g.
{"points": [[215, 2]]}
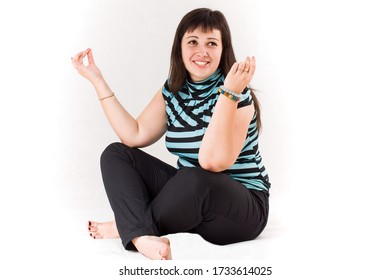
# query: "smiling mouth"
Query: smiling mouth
{"points": [[201, 63]]}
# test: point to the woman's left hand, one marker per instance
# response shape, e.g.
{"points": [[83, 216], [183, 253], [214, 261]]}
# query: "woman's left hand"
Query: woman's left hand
{"points": [[240, 75]]}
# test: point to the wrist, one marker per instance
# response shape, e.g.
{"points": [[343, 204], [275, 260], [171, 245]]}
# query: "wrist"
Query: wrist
{"points": [[232, 88], [230, 94], [102, 89], [98, 82]]}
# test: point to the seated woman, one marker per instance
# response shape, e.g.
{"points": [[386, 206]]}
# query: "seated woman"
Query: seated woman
{"points": [[211, 121]]}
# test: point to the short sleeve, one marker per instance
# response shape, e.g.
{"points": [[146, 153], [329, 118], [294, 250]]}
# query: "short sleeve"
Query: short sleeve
{"points": [[166, 93], [246, 98]]}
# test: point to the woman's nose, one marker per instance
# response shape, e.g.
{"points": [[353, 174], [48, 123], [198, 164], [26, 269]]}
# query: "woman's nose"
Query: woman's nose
{"points": [[202, 52]]}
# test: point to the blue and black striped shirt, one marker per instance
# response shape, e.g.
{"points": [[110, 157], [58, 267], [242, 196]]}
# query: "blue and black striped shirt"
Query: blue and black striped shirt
{"points": [[189, 113]]}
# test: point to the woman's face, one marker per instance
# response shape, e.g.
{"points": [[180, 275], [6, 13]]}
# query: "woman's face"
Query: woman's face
{"points": [[201, 53]]}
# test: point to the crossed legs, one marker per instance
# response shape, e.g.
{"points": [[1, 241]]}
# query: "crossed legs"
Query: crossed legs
{"points": [[150, 199]]}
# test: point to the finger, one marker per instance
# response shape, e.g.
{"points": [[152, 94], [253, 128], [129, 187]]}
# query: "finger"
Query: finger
{"points": [[76, 58], [90, 57], [83, 54], [77, 65], [74, 62], [252, 66], [241, 66], [80, 56], [247, 64]]}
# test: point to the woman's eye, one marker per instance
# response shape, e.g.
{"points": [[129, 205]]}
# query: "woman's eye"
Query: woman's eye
{"points": [[212, 44], [193, 42]]}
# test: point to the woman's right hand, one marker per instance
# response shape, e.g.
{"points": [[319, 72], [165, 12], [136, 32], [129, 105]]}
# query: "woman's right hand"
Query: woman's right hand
{"points": [[91, 72]]}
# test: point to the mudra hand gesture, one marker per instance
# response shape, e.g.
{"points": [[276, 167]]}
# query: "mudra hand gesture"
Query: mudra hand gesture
{"points": [[240, 75], [91, 72]]}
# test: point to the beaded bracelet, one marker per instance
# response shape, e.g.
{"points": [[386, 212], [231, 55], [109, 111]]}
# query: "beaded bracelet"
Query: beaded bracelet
{"points": [[229, 94]]}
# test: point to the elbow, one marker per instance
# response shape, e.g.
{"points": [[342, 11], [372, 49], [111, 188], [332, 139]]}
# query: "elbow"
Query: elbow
{"points": [[214, 165]]}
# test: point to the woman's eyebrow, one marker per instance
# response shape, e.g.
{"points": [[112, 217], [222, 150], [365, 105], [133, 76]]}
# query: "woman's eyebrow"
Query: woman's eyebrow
{"points": [[196, 37]]}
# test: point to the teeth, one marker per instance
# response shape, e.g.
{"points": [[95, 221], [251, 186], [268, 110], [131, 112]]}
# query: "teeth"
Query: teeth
{"points": [[202, 63]]}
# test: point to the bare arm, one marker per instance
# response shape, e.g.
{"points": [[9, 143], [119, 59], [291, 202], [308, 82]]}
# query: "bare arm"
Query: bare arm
{"points": [[140, 132], [226, 133]]}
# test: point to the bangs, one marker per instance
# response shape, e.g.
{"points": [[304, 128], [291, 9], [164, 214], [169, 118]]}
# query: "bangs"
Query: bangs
{"points": [[206, 21]]}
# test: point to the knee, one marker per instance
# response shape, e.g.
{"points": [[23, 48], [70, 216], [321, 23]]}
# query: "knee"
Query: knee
{"points": [[111, 152], [186, 193], [195, 179]]}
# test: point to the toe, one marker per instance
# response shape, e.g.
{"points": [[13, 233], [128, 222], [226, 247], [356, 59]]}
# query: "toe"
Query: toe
{"points": [[164, 252], [92, 229], [165, 240]]}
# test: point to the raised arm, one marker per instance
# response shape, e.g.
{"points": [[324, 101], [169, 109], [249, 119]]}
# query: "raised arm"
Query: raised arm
{"points": [[226, 133], [140, 132]]}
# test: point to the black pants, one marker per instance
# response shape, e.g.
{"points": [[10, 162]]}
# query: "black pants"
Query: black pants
{"points": [[150, 197]]}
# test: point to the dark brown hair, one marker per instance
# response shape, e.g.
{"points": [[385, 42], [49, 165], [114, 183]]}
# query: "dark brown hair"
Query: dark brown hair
{"points": [[206, 20]]}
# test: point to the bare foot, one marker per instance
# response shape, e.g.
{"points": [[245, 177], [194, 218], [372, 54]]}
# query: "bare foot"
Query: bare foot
{"points": [[153, 247], [103, 230]]}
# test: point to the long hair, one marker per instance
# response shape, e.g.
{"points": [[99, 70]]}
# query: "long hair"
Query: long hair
{"points": [[206, 20]]}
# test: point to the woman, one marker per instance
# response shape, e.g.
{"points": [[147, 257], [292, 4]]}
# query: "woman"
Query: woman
{"points": [[211, 120]]}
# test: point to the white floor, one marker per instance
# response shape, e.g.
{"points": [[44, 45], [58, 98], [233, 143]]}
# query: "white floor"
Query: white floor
{"points": [[56, 245], [185, 246], [106, 257]]}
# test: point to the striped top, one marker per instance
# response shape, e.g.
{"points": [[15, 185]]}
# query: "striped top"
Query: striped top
{"points": [[189, 113]]}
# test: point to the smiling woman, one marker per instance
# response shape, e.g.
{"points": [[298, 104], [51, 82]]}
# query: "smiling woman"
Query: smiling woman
{"points": [[211, 120], [201, 53]]}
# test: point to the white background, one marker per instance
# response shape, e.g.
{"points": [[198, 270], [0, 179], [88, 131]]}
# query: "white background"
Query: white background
{"points": [[323, 79]]}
